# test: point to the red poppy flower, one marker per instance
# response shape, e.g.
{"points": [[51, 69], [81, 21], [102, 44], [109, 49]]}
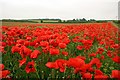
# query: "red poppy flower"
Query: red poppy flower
{"points": [[4, 73], [100, 77], [116, 46], [62, 45], [101, 43], [100, 50], [28, 37], [102, 57], [79, 47], [116, 59], [21, 62], [98, 72], [30, 67], [92, 55], [46, 49], [85, 68], [52, 65], [20, 41], [44, 43], [98, 65], [53, 43], [75, 40], [66, 41], [107, 47], [34, 54], [54, 51], [95, 61], [26, 43], [2, 49], [65, 53], [115, 74], [109, 54], [32, 43], [36, 45], [76, 62], [2, 67], [91, 69], [3, 44], [87, 76], [25, 51], [15, 49], [87, 44], [62, 69], [61, 64]]}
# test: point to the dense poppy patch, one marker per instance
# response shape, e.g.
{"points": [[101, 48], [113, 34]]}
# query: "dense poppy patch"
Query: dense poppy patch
{"points": [[83, 51]]}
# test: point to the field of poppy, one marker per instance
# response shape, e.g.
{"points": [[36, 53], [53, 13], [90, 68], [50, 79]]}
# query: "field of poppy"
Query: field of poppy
{"points": [[61, 51]]}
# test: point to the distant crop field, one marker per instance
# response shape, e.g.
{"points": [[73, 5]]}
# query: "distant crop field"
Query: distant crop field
{"points": [[15, 23], [19, 24], [49, 21]]}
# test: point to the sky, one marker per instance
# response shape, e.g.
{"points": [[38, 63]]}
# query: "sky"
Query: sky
{"points": [[62, 9]]}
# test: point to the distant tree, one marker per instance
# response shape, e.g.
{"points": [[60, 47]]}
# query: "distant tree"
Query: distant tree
{"points": [[41, 21], [92, 19], [118, 21], [80, 19], [64, 21], [77, 19], [84, 19], [73, 19], [59, 21]]}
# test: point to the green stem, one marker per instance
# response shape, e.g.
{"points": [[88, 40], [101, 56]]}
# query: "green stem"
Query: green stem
{"points": [[37, 73], [53, 75]]}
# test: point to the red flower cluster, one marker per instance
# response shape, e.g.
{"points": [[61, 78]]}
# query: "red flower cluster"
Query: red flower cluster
{"points": [[3, 73]]}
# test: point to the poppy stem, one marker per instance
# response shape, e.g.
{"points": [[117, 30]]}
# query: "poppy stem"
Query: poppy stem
{"points": [[37, 73]]}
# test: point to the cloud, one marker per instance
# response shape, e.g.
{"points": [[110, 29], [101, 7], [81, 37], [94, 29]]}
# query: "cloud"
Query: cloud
{"points": [[64, 9]]}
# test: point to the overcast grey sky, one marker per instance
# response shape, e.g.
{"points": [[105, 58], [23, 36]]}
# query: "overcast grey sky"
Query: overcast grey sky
{"points": [[63, 9]]}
